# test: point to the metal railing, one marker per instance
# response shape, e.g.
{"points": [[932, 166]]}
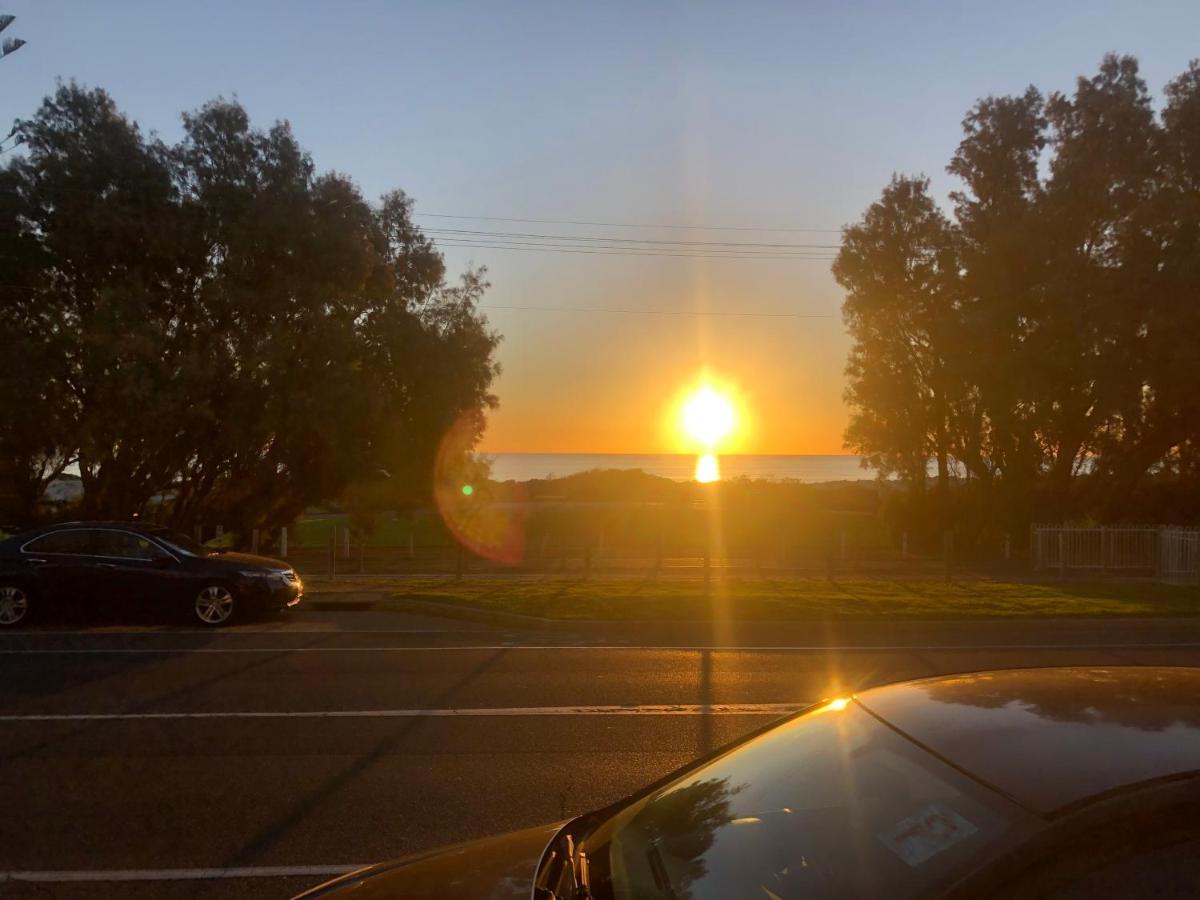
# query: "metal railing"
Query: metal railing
{"points": [[1166, 552], [1179, 554]]}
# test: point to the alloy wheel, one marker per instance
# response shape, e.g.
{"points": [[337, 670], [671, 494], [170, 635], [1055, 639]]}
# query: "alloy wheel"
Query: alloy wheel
{"points": [[214, 605], [14, 604]]}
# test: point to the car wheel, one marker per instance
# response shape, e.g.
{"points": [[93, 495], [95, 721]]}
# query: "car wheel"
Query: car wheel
{"points": [[14, 605], [215, 605]]}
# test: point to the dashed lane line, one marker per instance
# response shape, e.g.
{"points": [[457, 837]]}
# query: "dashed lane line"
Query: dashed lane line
{"points": [[665, 709], [88, 875]]}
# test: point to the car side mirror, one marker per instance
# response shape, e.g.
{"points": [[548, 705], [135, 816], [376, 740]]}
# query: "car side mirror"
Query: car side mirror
{"points": [[163, 562]]}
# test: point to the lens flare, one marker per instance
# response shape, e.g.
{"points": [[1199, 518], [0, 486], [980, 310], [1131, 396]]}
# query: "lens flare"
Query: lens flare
{"points": [[708, 469], [486, 518], [708, 416]]}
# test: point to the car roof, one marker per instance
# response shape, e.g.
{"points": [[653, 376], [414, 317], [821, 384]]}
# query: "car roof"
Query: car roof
{"points": [[1052, 739], [143, 527], [23, 537]]}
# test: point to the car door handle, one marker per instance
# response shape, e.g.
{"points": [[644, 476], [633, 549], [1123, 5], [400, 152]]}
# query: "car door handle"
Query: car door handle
{"points": [[106, 565], [39, 562]]}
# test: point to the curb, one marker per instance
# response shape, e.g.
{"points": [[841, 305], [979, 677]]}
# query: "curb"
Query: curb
{"points": [[486, 616], [362, 601], [347, 601], [437, 608]]}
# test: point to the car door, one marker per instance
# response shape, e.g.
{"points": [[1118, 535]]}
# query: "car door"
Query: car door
{"points": [[136, 568], [65, 566]]}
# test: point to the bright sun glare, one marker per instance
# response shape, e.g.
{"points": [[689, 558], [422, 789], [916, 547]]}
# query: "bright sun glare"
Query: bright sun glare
{"points": [[708, 469], [708, 416]]}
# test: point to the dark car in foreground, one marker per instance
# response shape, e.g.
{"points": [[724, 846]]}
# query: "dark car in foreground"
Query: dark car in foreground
{"points": [[147, 569], [1019, 783]]}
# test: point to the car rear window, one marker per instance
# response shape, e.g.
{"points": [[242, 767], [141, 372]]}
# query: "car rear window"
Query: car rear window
{"points": [[77, 541], [832, 804]]}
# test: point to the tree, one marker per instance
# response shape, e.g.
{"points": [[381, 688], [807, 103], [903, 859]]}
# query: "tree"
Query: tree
{"points": [[1003, 264], [229, 334], [1059, 309], [1097, 209], [899, 268]]}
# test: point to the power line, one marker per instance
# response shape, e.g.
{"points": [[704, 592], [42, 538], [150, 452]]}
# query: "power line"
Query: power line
{"points": [[760, 228], [626, 251], [662, 312], [670, 248], [612, 240]]}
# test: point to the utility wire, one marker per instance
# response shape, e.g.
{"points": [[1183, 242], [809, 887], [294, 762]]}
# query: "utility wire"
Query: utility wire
{"points": [[635, 253], [760, 228], [661, 312], [555, 243], [623, 240], [631, 252]]}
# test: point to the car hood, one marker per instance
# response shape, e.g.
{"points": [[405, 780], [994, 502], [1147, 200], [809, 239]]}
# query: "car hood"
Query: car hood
{"points": [[495, 868], [241, 560]]}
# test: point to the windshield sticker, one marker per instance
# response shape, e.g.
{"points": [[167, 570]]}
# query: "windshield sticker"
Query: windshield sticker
{"points": [[926, 833]]}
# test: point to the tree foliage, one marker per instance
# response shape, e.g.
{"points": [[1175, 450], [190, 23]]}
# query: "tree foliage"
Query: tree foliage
{"points": [[216, 327], [1043, 337]]}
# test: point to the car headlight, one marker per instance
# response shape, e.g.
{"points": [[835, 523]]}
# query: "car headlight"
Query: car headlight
{"points": [[255, 573]]}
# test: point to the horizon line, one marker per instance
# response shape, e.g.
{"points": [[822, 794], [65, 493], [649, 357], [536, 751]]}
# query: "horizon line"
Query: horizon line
{"points": [[642, 453]]}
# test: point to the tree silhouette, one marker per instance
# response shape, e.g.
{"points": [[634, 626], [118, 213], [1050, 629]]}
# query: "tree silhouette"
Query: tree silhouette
{"points": [[684, 824], [216, 323], [1038, 344]]}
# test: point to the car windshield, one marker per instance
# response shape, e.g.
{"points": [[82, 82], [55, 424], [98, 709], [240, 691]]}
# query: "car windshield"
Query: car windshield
{"points": [[182, 543], [832, 804]]}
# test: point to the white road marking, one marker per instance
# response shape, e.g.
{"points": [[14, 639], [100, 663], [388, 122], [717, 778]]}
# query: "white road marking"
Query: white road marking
{"points": [[693, 648], [234, 631], [665, 709], [84, 875]]}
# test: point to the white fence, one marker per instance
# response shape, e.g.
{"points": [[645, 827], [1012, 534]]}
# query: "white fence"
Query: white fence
{"points": [[1169, 553], [1179, 554]]}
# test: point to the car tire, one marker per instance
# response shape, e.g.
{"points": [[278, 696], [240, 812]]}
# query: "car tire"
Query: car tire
{"points": [[16, 604], [215, 605]]}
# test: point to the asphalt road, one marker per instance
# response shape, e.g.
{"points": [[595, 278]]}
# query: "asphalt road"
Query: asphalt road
{"points": [[252, 762]]}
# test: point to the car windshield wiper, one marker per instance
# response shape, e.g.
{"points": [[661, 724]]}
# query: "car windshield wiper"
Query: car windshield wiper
{"points": [[579, 867], [575, 861]]}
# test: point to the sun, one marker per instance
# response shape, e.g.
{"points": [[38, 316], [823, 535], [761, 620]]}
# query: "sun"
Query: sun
{"points": [[708, 416]]}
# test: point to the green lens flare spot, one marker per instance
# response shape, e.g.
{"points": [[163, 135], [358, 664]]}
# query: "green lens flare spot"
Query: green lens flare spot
{"points": [[467, 490]]}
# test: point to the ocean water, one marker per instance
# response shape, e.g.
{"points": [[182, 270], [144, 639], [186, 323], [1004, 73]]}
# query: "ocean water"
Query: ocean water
{"points": [[679, 467]]}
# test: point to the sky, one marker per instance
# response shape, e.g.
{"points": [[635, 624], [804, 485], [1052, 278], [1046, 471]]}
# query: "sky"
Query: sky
{"points": [[756, 115]]}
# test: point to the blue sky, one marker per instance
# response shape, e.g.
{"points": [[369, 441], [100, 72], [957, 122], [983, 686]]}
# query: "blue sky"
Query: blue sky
{"points": [[752, 114]]}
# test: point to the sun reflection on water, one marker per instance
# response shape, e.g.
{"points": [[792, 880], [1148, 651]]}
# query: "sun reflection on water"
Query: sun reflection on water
{"points": [[707, 468]]}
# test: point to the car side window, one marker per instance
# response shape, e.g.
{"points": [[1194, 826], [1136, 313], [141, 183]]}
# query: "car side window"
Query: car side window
{"points": [[76, 542], [125, 545]]}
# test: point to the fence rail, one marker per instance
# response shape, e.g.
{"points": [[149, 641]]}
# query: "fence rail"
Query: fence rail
{"points": [[1171, 553], [1179, 554], [1166, 553]]}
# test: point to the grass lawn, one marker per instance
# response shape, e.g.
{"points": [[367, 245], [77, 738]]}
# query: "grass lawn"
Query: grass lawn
{"points": [[798, 599]]}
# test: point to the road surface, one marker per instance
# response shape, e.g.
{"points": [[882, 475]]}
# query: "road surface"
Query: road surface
{"points": [[146, 762]]}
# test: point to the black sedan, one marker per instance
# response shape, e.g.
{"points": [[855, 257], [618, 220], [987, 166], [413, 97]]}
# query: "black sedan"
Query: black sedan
{"points": [[105, 565], [1071, 783]]}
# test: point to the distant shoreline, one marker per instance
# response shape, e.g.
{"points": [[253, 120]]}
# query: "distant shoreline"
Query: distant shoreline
{"points": [[808, 468]]}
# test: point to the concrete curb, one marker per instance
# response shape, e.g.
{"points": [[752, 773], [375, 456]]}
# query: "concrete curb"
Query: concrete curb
{"points": [[347, 601], [489, 616], [363, 601], [392, 602]]}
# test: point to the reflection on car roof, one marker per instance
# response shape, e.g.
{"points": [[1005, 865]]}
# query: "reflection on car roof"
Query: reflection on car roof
{"points": [[1053, 738]]}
